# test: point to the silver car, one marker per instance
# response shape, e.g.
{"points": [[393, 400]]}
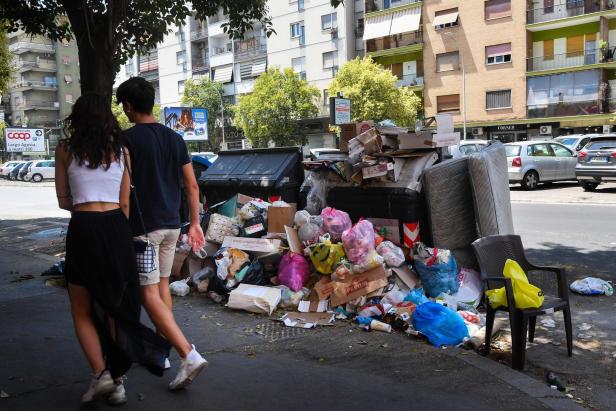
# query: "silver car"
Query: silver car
{"points": [[532, 162], [574, 141], [597, 162]]}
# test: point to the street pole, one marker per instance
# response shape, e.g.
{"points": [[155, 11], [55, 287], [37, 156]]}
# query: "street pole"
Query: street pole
{"points": [[222, 114], [463, 95]]}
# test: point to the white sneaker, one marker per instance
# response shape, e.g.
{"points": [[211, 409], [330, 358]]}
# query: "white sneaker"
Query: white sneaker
{"points": [[99, 386], [190, 368], [118, 397], [167, 364]]}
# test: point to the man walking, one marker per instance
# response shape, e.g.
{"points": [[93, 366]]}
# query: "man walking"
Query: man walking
{"points": [[160, 162]]}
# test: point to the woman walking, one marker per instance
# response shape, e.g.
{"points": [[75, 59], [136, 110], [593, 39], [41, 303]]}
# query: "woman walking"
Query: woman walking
{"points": [[92, 182]]}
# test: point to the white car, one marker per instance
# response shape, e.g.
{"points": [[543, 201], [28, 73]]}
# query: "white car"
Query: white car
{"points": [[467, 147], [41, 170], [6, 168]]}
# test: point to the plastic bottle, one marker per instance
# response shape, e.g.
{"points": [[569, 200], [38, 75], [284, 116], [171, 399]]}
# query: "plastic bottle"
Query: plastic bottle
{"points": [[555, 382], [380, 326]]}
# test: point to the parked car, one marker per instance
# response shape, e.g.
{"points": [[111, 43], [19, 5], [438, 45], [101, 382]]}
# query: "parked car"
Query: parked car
{"points": [[532, 162], [574, 141], [597, 162], [41, 170], [6, 168], [467, 147], [15, 171], [24, 170]]}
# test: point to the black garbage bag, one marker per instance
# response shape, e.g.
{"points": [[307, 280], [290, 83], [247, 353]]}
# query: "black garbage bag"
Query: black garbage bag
{"points": [[256, 275]]}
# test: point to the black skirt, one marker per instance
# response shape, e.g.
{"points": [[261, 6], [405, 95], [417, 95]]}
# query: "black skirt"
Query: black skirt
{"points": [[100, 257]]}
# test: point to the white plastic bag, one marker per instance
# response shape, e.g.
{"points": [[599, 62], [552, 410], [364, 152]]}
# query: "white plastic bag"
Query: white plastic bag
{"points": [[592, 286], [471, 289], [179, 288]]}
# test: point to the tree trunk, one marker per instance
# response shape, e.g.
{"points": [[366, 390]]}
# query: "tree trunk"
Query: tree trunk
{"points": [[96, 67]]}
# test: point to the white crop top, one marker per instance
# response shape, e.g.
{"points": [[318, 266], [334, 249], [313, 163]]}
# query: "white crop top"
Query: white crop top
{"points": [[95, 185]]}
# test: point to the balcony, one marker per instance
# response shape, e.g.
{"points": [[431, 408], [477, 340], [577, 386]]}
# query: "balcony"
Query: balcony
{"points": [[569, 60], [566, 8], [221, 57], [34, 85], [572, 108], [47, 66], [410, 80], [198, 34], [393, 42], [200, 65], [215, 24], [247, 53], [25, 46], [379, 5], [37, 105]]}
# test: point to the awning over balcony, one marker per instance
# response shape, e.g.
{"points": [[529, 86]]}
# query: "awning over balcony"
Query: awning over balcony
{"points": [[377, 26], [258, 68], [447, 17], [405, 21], [223, 74]]}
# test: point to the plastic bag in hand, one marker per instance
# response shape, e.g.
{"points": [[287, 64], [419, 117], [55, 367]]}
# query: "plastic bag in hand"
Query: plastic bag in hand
{"points": [[358, 242], [439, 324], [391, 253], [293, 271], [335, 222]]}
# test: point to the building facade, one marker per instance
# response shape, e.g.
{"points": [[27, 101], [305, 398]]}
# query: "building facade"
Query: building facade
{"points": [[45, 83]]}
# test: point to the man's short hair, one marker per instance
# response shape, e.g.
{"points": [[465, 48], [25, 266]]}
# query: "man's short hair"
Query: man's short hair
{"points": [[139, 93]]}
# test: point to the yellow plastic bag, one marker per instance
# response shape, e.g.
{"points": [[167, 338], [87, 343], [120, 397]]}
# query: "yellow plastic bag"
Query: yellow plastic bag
{"points": [[326, 256], [525, 294]]}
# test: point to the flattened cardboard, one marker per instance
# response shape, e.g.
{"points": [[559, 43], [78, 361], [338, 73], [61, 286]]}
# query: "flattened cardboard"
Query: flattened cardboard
{"points": [[324, 288], [378, 170], [257, 245], [406, 276], [307, 320], [427, 139], [358, 285], [295, 245], [279, 217]]}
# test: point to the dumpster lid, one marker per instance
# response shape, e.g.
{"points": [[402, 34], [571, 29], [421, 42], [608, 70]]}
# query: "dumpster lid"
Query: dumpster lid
{"points": [[257, 167]]}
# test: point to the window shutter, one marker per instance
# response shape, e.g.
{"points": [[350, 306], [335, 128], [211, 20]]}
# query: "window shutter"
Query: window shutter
{"points": [[548, 49], [447, 103], [575, 45]]}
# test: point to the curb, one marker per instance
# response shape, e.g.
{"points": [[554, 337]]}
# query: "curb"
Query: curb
{"points": [[562, 203], [531, 387]]}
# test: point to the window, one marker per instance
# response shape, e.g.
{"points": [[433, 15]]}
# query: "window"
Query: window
{"points": [[446, 18], [498, 99], [448, 103], [180, 57], [182, 36], [359, 31], [540, 150], [330, 59], [328, 21], [498, 54], [575, 46], [548, 49], [299, 66], [548, 6], [496, 9], [129, 68], [560, 151], [66, 59], [296, 29], [574, 4], [181, 87], [447, 61], [300, 5], [68, 79], [68, 98], [325, 97]]}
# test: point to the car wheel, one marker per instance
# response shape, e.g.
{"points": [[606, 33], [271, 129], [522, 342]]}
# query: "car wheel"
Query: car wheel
{"points": [[37, 178], [530, 180], [588, 185]]}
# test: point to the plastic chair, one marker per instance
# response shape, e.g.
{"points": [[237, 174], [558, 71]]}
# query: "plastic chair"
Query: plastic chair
{"points": [[492, 252]]}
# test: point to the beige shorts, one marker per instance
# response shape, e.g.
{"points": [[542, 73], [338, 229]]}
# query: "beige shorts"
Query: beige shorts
{"points": [[164, 243]]}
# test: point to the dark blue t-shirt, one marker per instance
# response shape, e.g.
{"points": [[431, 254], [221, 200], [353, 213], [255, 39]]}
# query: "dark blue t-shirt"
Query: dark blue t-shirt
{"points": [[158, 154]]}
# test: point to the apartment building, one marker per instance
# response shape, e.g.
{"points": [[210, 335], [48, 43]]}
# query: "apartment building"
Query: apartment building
{"points": [[571, 73], [45, 84]]}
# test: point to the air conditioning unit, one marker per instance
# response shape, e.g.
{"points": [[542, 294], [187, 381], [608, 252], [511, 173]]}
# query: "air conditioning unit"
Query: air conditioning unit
{"points": [[607, 129], [545, 130], [478, 131]]}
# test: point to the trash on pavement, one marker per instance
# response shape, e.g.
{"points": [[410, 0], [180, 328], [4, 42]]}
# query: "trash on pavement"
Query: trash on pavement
{"points": [[55, 270], [254, 298], [555, 382], [179, 288], [437, 269], [380, 326], [294, 271], [307, 320], [525, 294], [439, 324], [592, 286]]}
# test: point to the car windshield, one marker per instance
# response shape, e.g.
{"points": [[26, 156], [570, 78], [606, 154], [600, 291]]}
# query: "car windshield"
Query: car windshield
{"points": [[601, 145], [513, 151], [570, 142]]}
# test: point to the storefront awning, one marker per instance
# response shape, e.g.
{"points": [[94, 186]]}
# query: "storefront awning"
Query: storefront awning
{"points": [[446, 18], [405, 21], [223, 74], [377, 26]]}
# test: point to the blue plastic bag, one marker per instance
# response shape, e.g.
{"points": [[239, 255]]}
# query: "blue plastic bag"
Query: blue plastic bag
{"points": [[438, 278], [416, 296], [439, 324]]}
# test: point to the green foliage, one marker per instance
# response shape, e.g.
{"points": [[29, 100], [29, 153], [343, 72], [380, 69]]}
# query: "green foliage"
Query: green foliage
{"points": [[125, 123], [373, 93], [6, 62], [207, 94], [271, 111]]}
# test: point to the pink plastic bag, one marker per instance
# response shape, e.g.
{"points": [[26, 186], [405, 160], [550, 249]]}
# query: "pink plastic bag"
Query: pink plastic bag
{"points": [[335, 222], [358, 242], [293, 271]]}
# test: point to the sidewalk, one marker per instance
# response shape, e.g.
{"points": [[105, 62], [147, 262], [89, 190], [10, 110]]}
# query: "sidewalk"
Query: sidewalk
{"points": [[254, 363], [565, 193]]}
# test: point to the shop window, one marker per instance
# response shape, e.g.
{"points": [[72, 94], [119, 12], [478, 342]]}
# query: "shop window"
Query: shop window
{"points": [[447, 104]]}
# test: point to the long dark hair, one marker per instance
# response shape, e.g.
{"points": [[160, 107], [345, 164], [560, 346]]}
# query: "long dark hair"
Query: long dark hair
{"points": [[93, 132]]}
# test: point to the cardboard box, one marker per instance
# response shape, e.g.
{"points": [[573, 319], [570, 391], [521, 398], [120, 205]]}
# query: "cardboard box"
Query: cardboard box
{"points": [[378, 170], [279, 217], [257, 245], [406, 277], [295, 245], [351, 130], [255, 299], [220, 227], [358, 285], [426, 139]]}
